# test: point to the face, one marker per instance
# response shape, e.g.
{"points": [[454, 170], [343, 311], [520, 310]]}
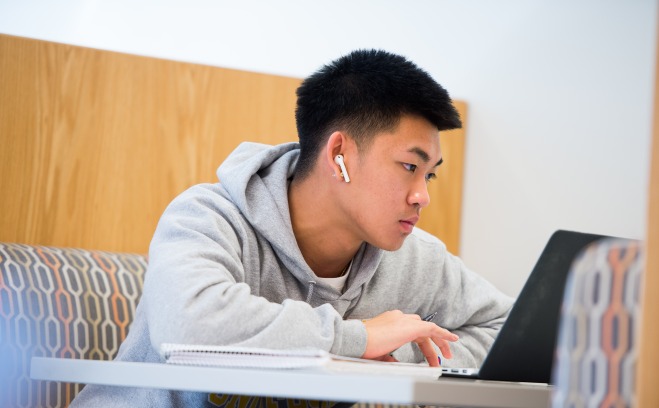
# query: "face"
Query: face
{"points": [[388, 186]]}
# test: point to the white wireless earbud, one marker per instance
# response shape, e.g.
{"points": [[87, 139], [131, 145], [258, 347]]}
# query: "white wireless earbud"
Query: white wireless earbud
{"points": [[338, 159]]}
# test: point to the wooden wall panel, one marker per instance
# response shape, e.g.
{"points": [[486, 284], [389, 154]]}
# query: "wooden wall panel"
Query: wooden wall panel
{"points": [[648, 356], [444, 214], [95, 144]]}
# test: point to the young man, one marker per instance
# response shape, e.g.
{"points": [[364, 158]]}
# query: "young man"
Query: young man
{"points": [[313, 244]]}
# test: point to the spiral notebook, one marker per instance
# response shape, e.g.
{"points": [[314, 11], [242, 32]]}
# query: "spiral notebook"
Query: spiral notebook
{"points": [[310, 359]]}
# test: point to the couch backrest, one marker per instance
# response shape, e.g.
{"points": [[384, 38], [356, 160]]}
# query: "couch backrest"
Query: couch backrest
{"points": [[597, 346], [60, 302]]}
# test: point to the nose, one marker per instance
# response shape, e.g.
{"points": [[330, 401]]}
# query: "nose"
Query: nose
{"points": [[419, 194]]}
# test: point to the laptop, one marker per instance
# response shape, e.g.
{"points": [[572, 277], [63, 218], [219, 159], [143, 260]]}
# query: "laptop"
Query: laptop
{"points": [[524, 349]]}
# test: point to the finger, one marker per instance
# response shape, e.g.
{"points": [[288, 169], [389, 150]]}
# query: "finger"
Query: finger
{"points": [[389, 358], [386, 358], [445, 334], [428, 351], [444, 347]]}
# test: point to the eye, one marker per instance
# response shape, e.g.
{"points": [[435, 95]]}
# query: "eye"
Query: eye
{"points": [[430, 176], [410, 167]]}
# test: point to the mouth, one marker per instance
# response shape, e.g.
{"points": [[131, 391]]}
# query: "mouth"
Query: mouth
{"points": [[408, 224]]}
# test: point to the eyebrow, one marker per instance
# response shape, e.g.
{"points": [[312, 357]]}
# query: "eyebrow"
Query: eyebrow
{"points": [[424, 156]]}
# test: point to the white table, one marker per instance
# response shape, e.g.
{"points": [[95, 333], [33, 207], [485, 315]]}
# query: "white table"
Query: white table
{"points": [[304, 384]]}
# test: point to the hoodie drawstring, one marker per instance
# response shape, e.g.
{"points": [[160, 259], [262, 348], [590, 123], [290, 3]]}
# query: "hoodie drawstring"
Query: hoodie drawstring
{"points": [[311, 286]]}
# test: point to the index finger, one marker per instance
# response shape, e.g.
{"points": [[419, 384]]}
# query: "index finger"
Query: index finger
{"points": [[441, 337]]}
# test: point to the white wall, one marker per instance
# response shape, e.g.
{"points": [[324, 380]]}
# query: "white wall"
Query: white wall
{"points": [[559, 92]]}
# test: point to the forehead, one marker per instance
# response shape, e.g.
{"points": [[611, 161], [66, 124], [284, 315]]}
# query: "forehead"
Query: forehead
{"points": [[413, 135]]}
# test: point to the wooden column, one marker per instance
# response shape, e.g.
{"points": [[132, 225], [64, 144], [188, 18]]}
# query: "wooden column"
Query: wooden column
{"points": [[648, 357]]}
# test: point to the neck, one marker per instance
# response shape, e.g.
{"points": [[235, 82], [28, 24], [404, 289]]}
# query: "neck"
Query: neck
{"points": [[320, 228]]}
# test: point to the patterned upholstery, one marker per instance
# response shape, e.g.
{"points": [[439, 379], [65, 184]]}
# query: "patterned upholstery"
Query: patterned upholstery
{"points": [[60, 302], [596, 351]]}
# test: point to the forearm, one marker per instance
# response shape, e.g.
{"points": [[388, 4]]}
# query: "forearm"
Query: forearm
{"points": [[209, 308]]}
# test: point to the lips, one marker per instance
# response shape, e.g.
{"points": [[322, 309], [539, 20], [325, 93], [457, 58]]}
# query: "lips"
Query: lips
{"points": [[408, 224]]}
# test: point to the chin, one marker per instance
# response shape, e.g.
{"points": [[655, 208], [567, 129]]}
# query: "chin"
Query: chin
{"points": [[391, 245]]}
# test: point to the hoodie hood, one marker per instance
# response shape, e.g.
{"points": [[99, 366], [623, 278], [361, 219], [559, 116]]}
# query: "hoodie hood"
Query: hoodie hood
{"points": [[252, 176], [255, 177]]}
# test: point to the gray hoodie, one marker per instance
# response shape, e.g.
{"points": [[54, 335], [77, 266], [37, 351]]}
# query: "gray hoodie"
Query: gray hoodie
{"points": [[225, 268]]}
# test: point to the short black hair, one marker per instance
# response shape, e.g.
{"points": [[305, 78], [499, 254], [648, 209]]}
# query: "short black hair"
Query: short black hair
{"points": [[363, 93]]}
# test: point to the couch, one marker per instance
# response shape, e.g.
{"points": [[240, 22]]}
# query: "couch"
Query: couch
{"points": [[61, 302]]}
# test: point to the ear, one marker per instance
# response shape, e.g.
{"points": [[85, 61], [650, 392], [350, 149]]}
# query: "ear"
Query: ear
{"points": [[337, 143]]}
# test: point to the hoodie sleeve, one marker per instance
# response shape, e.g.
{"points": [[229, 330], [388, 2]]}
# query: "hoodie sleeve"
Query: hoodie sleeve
{"points": [[197, 292], [479, 310], [467, 304]]}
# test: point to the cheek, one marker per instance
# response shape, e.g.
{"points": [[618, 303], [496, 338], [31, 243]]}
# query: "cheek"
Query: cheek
{"points": [[384, 198], [391, 188], [381, 194]]}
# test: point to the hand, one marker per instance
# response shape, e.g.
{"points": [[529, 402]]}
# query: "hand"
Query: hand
{"points": [[390, 330]]}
